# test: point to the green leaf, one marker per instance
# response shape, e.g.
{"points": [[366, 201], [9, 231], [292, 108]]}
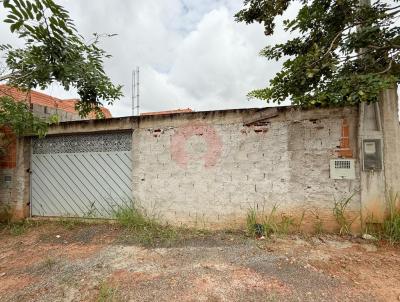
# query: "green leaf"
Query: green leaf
{"points": [[9, 21], [54, 51], [322, 64]]}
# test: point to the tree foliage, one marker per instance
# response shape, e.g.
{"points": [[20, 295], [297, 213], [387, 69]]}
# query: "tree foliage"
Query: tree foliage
{"points": [[55, 52], [18, 117], [342, 51]]}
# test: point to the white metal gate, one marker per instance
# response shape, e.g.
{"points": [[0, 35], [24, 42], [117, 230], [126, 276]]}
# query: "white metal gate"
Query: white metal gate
{"points": [[87, 175]]}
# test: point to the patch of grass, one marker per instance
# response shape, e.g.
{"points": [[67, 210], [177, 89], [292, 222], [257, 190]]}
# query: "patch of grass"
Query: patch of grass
{"points": [[271, 225], [318, 224], [258, 225], [49, 263], [299, 223], [286, 224], [341, 215], [70, 223], [17, 229], [251, 222], [5, 214], [45, 266], [133, 218], [146, 230], [389, 228], [391, 224], [107, 293], [373, 227], [143, 229]]}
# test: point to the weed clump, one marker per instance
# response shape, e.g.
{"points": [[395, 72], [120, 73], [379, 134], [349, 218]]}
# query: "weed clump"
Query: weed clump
{"points": [[391, 224], [271, 223], [18, 228], [144, 229], [107, 293], [341, 215], [318, 223], [133, 219], [389, 228]]}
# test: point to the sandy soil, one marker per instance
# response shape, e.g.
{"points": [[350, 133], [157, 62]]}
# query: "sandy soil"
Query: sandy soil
{"points": [[92, 263]]}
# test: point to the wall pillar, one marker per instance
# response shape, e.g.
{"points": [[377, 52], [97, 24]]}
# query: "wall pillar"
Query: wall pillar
{"points": [[21, 190], [380, 122], [391, 142], [372, 181]]}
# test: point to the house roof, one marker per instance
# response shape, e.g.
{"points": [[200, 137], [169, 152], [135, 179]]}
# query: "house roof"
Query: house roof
{"points": [[70, 103], [167, 112], [43, 99]]}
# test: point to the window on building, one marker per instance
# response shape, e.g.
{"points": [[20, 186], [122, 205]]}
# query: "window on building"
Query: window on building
{"points": [[45, 110]]}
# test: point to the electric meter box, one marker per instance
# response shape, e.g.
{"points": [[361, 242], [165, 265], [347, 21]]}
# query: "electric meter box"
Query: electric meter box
{"points": [[342, 169], [372, 155]]}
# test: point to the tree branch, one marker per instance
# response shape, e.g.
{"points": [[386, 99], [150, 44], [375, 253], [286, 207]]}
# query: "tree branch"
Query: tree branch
{"points": [[6, 77], [332, 44], [386, 69], [392, 8]]}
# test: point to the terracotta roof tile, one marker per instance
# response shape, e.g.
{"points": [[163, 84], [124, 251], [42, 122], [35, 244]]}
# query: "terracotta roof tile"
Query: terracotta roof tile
{"points": [[42, 99]]}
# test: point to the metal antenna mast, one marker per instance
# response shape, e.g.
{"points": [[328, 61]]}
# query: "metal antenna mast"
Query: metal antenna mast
{"points": [[135, 92]]}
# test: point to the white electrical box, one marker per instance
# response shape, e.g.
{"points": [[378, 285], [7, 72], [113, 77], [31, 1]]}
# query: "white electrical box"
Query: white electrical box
{"points": [[342, 168]]}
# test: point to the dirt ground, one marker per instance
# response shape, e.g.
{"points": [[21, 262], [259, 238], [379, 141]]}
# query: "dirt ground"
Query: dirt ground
{"points": [[51, 262]]}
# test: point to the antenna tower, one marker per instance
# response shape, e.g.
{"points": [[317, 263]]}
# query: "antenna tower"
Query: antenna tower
{"points": [[135, 92]]}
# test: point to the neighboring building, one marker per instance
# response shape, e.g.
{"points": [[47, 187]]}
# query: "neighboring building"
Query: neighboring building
{"points": [[44, 105]]}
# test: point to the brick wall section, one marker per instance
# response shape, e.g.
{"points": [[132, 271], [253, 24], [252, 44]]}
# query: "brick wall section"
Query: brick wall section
{"points": [[8, 162], [8, 148], [209, 169], [345, 150], [14, 194]]}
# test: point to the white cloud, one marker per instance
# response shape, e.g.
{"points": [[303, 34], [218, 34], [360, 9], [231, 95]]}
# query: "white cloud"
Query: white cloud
{"points": [[217, 63], [191, 53]]}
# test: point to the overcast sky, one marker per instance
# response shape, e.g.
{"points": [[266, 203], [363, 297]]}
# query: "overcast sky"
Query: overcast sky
{"points": [[191, 53]]}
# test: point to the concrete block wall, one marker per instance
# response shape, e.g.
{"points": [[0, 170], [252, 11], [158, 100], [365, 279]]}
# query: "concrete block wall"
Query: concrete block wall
{"points": [[64, 116], [209, 169]]}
